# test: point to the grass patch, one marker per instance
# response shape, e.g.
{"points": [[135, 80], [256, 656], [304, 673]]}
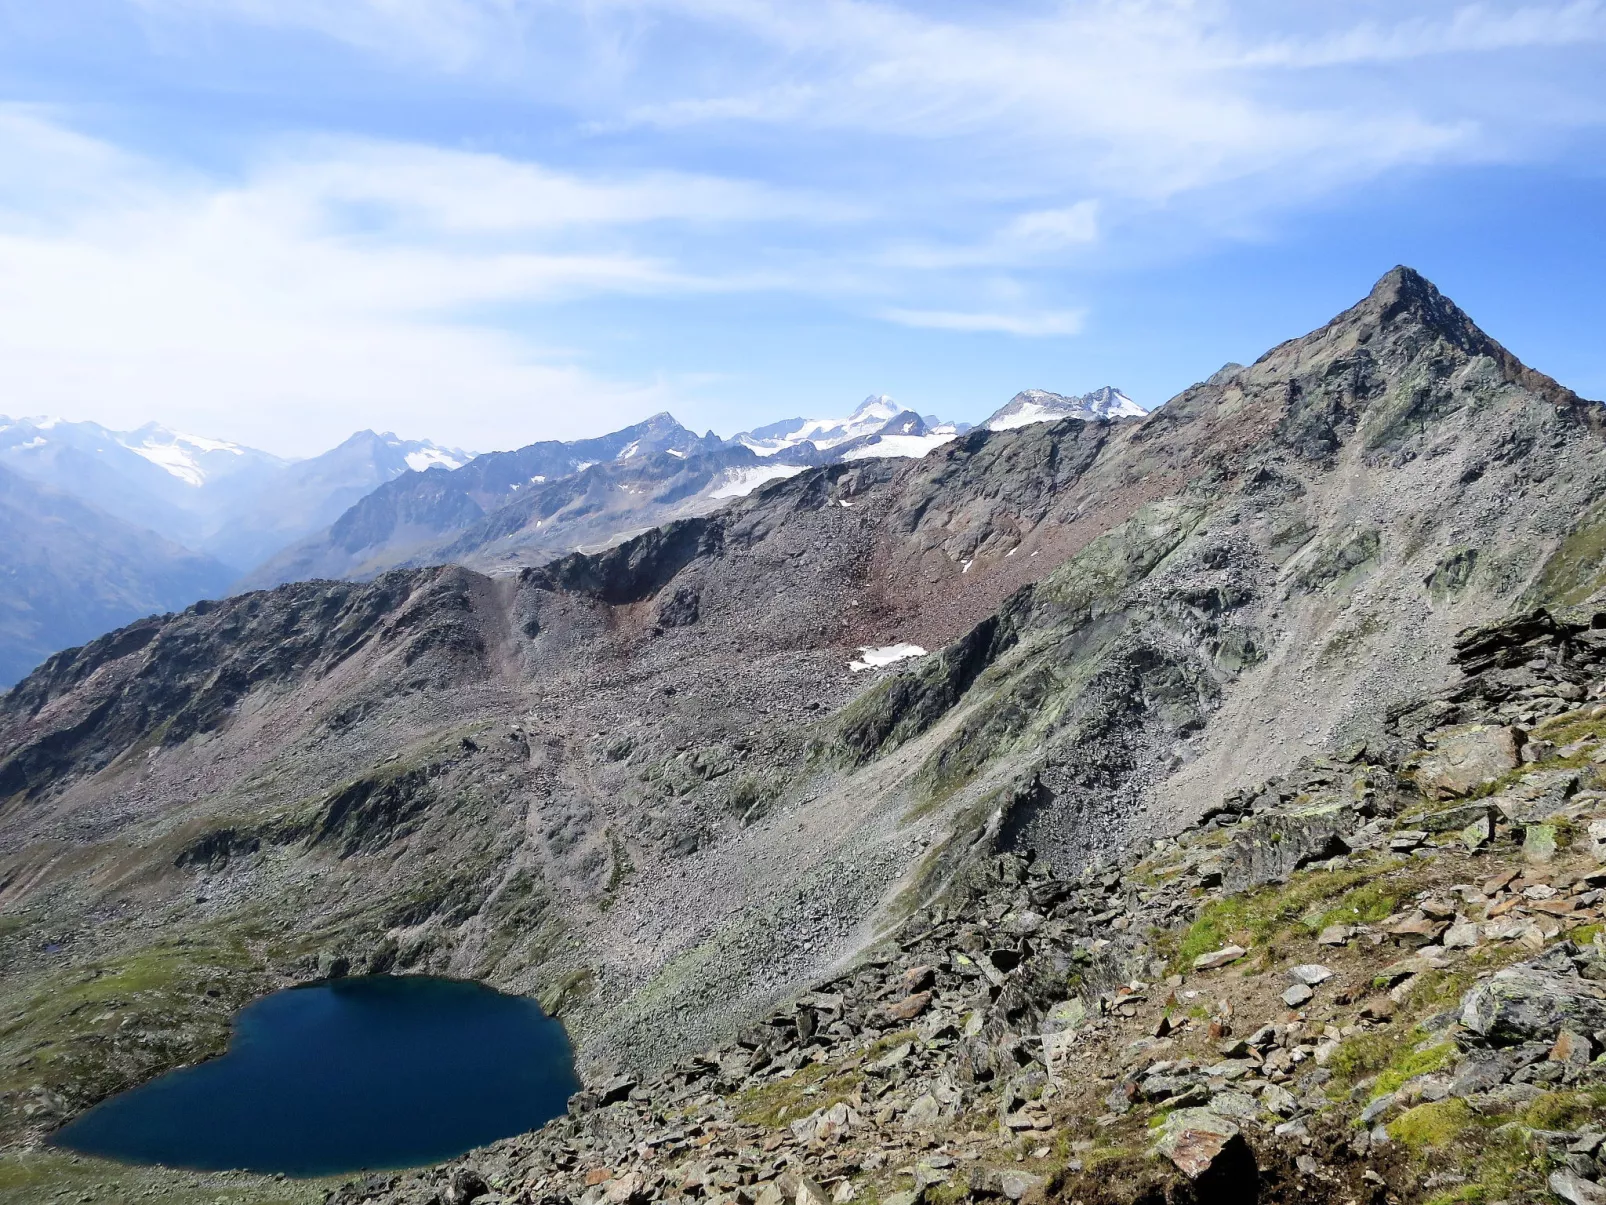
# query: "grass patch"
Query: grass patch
{"points": [[45, 1174], [1432, 1126], [1562, 1110], [1409, 1064], [87, 1031], [775, 1104], [1362, 1055], [1302, 907]]}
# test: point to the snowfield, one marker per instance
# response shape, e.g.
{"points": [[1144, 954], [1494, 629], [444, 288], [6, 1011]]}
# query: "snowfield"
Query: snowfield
{"points": [[875, 658], [744, 481]]}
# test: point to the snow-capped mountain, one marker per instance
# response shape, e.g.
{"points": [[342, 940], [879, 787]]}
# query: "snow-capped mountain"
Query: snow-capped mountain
{"points": [[193, 460], [901, 432], [1040, 406], [233, 502]]}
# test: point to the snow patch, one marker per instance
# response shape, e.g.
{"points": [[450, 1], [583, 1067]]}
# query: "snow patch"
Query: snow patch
{"points": [[742, 482], [875, 658], [429, 456], [912, 446], [174, 459]]}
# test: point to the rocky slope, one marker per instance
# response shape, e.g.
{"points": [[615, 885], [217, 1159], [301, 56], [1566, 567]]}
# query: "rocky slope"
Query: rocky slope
{"points": [[646, 785], [1401, 999]]}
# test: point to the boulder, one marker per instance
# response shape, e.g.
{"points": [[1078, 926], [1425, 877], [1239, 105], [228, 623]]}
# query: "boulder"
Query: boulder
{"points": [[1218, 958], [628, 1189], [1453, 820], [917, 979], [1279, 1100], [909, 1007], [1310, 973], [465, 1185], [1524, 1003], [1536, 796], [1463, 757], [1210, 1150], [1573, 1188], [615, 1090], [1007, 1183], [1297, 995], [1539, 843], [1272, 847], [1597, 839], [1572, 1048]]}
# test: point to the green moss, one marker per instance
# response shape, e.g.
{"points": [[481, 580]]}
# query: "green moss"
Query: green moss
{"points": [[1411, 1063], [1432, 1126], [1560, 1110], [1362, 1055], [1302, 907]]}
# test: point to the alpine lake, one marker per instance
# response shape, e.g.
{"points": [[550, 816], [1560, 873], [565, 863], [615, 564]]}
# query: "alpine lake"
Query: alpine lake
{"points": [[372, 1073]]}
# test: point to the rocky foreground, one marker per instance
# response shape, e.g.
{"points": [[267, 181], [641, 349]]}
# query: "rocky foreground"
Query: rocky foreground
{"points": [[1381, 977]]}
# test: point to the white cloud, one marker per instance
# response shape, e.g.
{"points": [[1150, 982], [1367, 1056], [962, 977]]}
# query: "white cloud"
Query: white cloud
{"points": [[326, 290], [1468, 29], [951, 153], [1029, 325]]}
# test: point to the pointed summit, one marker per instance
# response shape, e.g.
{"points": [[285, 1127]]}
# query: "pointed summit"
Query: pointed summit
{"points": [[1404, 296]]}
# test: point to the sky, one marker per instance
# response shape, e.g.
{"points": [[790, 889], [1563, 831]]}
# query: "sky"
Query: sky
{"points": [[487, 222]]}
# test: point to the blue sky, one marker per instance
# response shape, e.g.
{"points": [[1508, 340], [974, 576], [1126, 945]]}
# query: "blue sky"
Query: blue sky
{"points": [[492, 221]]}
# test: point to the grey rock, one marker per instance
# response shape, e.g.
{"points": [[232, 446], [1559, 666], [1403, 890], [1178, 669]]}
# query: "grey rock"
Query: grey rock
{"points": [[1523, 1004], [1574, 1189]]}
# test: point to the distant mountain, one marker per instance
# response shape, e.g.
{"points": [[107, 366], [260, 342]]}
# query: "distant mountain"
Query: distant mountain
{"points": [[310, 494], [69, 572], [510, 509], [229, 501], [411, 513], [1040, 406], [876, 415]]}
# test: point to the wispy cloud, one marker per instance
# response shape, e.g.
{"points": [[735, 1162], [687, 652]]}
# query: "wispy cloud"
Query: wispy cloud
{"points": [[334, 276], [955, 167], [1028, 325]]}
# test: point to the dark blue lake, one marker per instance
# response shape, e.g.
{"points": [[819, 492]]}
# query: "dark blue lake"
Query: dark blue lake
{"points": [[377, 1072]]}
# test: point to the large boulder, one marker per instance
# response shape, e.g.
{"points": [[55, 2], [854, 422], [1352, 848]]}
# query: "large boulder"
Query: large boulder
{"points": [[1463, 757], [1269, 848], [1533, 1002], [1210, 1150]]}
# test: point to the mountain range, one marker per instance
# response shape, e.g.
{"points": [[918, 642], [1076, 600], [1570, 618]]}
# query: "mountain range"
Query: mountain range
{"points": [[508, 510], [241, 518], [672, 785]]}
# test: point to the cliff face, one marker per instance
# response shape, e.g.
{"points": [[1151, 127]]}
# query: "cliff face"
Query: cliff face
{"points": [[645, 783]]}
